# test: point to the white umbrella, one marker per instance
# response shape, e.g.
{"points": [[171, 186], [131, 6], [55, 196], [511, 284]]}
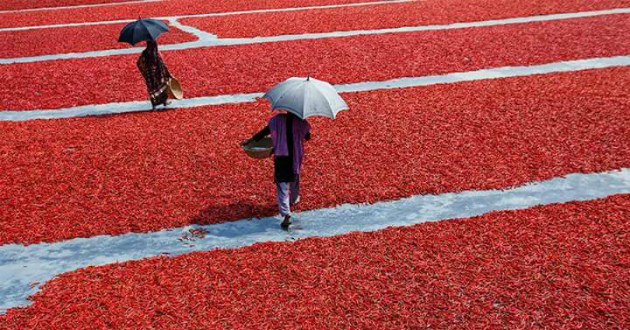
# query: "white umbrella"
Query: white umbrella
{"points": [[306, 97]]}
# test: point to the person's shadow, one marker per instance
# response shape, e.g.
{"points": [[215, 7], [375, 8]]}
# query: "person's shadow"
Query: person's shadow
{"points": [[236, 211], [261, 222]]}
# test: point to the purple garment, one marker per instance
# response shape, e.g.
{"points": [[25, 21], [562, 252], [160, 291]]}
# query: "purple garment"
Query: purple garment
{"points": [[278, 127]]}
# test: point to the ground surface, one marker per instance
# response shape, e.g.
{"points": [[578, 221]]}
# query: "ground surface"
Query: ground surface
{"points": [[553, 267]]}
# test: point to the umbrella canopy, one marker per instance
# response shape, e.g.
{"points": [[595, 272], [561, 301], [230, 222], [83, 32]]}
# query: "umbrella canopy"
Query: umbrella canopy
{"points": [[306, 97], [142, 30]]}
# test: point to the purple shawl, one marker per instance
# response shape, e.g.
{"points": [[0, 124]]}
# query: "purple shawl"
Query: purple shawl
{"points": [[278, 127]]}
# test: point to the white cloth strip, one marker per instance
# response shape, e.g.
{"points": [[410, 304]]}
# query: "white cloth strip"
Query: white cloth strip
{"points": [[77, 6], [209, 40], [406, 82], [24, 268], [242, 12]]}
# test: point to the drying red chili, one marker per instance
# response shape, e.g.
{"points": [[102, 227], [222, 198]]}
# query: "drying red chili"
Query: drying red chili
{"points": [[256, 67], [155, 9], [73, 40], [385, 16], [148, 171], [555, 267], [27, 4]]}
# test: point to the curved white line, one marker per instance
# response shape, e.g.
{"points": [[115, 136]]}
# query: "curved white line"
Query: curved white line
{"points": [[208, 40], [501, 72], [77, 6], [21, 266], [201, 35]]}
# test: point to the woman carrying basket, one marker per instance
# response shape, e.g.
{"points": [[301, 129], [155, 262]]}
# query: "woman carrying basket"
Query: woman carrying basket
{"points": [[155, 73], [300, 98], [288, 133], [150, 63]]}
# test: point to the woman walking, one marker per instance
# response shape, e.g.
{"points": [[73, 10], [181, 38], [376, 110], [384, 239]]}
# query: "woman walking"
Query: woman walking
{"points": [[155, 73], [288, 133]]}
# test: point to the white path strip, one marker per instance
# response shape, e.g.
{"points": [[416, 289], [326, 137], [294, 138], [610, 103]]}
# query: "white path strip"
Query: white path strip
{"points": [[21, 266], [77, 6], [495, 73], [209, 40], [230, 13], [201, 35]]}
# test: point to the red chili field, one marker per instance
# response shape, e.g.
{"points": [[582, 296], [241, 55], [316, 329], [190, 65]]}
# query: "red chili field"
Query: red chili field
{"points": [[73, 40], [462, 9], [159, 9], [560, 266], [29, 5], [479, 179], [111, 172], [384, 16], [256, 67]]}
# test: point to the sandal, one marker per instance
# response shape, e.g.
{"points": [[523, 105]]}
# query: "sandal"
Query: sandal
{"points": [[286, 222]]}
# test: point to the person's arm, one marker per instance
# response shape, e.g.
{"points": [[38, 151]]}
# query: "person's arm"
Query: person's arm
{"points": [[258, 136], [308, 131]]}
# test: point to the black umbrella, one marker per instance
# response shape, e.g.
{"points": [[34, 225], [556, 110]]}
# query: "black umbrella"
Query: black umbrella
{"points": [[142, 30]]}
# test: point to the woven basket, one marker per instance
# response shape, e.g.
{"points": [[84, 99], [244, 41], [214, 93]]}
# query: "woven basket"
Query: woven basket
{"points": [[259, 149], [174, 89]]}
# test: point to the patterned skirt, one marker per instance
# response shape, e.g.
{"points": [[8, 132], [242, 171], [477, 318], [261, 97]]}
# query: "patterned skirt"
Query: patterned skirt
{"points": [[160, 95]]}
